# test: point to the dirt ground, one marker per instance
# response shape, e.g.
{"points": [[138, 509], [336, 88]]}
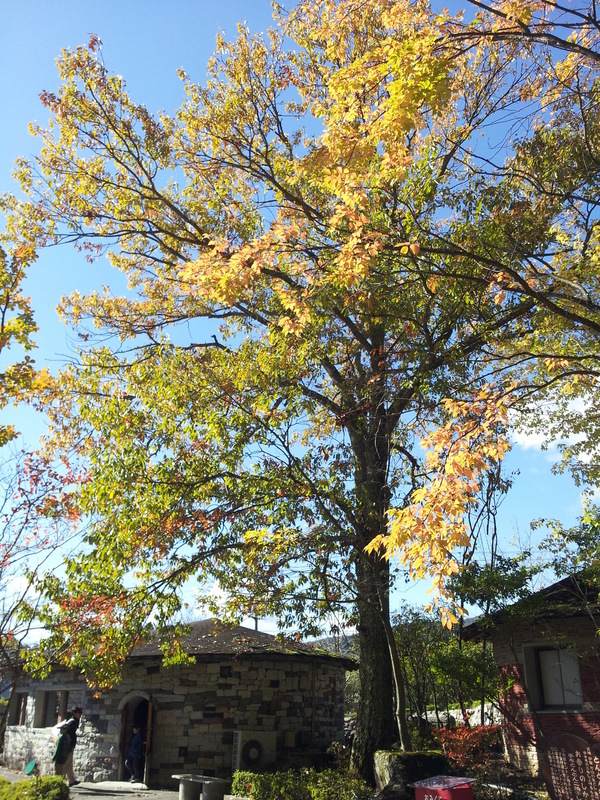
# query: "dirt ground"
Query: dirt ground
{"points": [[499, 773]]}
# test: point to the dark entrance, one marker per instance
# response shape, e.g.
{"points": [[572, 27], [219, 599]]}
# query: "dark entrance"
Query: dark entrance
{"points": [[138, 711]]}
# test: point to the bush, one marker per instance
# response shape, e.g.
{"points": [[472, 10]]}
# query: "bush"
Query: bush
{"points": [[270, 785], [302, 762], [469, 748], [304, 785], [47, 788], [421, 737], [341, 785]]}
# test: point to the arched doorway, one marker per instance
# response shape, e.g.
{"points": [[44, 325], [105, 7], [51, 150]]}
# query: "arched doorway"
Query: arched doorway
{"points": [[136, 709]]}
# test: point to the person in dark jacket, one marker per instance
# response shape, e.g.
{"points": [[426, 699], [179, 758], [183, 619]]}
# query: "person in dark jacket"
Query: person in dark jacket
{"points": [[62, 749], [135, 760], [72, 724]]}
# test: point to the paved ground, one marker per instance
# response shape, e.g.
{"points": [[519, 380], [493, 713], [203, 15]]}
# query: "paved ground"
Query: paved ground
{"points": [[106, 790], [119, 791]]}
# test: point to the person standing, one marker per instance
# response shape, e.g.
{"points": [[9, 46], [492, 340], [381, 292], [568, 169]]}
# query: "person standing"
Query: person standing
{"points": [[135, 760], [62, 749], [71, 729]]}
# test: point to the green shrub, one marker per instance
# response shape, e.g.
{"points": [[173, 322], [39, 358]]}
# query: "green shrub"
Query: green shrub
{"points": [[423, 764], [270, 785], [301, 785], [421, 737], [47, 788], [341, 785], [301, 762]]}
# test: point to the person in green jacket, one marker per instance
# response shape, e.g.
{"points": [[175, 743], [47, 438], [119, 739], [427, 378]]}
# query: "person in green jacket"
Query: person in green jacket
{"points": [[62, 749]]}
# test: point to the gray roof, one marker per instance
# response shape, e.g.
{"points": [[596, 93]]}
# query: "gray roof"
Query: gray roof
{"points": [[210, 638], [568, 598]]}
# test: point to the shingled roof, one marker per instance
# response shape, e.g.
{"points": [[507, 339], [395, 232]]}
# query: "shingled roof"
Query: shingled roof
{"points": [[568, 598], [209, 639]]}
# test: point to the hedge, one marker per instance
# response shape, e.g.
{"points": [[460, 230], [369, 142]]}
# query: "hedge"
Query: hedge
{"points": [[48, 788]]}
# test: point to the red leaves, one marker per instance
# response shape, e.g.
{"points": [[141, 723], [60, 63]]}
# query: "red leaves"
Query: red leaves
{"points": [[469, 748], [94, 43], [91, 609]]}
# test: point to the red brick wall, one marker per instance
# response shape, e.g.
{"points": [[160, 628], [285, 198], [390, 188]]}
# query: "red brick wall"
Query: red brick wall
{"points": [[518, 723]]}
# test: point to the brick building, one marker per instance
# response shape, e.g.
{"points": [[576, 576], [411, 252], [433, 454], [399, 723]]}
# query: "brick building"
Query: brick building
{"points": [[547, 649], [247, 700]]}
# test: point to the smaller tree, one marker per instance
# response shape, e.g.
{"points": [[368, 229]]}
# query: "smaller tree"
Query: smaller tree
{"points": [[462, 672], [575, 550], [499, 584], [417, 635], [437, 664], [31, 537]]}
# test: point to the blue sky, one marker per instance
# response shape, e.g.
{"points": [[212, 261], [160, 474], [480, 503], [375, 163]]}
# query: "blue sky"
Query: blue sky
{"points": [[146, 41]]}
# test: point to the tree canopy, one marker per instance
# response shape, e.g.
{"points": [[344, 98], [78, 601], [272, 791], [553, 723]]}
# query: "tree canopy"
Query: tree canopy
{"points": [[17, 327], [364, 237]]}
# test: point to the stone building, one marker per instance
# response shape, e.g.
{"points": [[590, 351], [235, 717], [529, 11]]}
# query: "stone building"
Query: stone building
{"points": [[249, 699], [546, 647]]}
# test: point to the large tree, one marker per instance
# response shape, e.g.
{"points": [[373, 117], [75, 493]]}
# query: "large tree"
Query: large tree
{"points": [[18, 377], [332, 249], [551, 172]]}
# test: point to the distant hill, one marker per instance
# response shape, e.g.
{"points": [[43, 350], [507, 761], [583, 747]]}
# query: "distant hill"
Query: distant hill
{"points": [[345, 644]]}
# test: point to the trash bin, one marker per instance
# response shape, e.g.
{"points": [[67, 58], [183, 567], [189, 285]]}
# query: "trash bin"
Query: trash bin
{"points": [[444, 787]]}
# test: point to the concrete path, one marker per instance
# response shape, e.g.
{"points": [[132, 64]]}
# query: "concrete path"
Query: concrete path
{"points": [[113, 790], [105, 790]]}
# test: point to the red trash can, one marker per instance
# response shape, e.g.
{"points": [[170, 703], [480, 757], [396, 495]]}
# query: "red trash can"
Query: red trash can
{"points": [[444, 787]]}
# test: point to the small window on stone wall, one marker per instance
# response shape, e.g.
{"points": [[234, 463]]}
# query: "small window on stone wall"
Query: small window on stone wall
{"points": [[17, 713], [54, 706]]}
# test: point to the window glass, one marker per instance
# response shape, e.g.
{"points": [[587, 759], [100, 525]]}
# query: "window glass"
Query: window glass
{"points": [[552, 677], [559, 672]]}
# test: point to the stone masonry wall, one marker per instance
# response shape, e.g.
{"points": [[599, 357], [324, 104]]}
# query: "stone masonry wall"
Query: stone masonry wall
{"points": [[195, 711], [96, 755]]}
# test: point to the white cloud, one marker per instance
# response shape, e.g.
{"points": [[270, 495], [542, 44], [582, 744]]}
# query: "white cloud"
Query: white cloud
{"points": [[528, 440]]}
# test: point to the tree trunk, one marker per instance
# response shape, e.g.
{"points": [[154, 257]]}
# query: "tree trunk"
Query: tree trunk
{"points": [[463, 706], [399, 689], [459, 688], [375, 728], [436, 707], [483, 681]]}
